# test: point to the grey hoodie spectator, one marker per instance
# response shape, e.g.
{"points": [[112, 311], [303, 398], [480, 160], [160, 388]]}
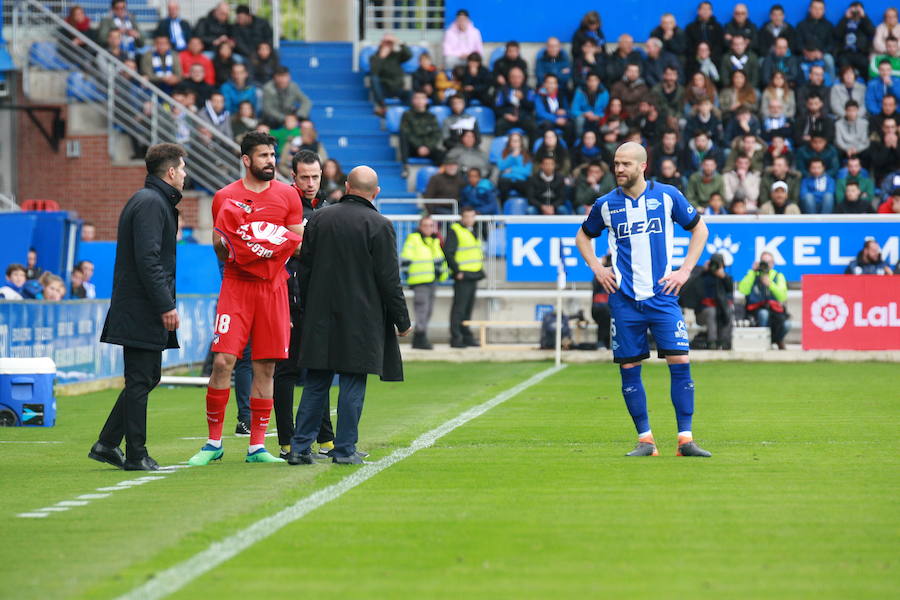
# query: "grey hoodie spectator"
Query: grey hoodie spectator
{"points": [[468, 156], [282, 96], [848, 88], [851, 132]]}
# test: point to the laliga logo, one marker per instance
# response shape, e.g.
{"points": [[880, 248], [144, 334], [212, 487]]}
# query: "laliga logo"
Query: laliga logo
{"points": [[829, 312]]}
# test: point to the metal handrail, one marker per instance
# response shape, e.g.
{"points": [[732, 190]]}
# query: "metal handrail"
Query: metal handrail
{"points": [[115, 90]]}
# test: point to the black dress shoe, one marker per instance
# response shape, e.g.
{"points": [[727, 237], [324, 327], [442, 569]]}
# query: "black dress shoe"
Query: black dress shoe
{"points": [[242, 429], [302, 458], [457, 345], [144, 464], [353, 459], [472, 343], [111, 455]]}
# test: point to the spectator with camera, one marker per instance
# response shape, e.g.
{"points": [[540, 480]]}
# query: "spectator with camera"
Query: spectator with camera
{"points": [[869, 261], [711, 295], [765, 290]]}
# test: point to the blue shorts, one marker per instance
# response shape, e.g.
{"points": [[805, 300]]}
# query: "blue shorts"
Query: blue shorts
{"points": [[630, 320]]}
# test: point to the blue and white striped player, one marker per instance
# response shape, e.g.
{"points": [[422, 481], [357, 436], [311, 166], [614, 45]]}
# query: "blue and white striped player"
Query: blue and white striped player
{"points": [[643, 288]]}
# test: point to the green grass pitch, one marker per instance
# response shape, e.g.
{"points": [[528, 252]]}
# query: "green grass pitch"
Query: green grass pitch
{"points": [[533, 499]]}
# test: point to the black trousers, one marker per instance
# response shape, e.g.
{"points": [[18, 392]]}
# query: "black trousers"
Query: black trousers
{"points": [[287, 374], [461, 310], [128, 417], [601, 315]]}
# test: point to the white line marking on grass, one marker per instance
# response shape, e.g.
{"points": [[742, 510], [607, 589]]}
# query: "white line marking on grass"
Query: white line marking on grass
{"points": [[92, 496], [174, 578], [27, 442], [50, 509], [68, 503], [33, 515]]}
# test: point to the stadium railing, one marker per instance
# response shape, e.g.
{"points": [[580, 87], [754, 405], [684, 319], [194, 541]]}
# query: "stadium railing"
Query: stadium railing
{"points": [[129, 103]]}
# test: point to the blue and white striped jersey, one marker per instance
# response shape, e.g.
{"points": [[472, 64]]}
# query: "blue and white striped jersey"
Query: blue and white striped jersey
{"points": [[641, 234]]}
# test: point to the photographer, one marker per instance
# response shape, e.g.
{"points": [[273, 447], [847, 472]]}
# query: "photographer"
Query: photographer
{"points": [[765, 290], [712, 296]]}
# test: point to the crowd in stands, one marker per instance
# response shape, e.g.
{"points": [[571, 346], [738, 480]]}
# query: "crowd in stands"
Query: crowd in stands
{"points": [[224, 70], [30, 282], [771, 118]]}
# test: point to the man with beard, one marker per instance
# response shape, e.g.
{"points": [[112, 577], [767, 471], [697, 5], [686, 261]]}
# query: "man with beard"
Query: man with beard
{"points": [[253, 301], [643, 287]]}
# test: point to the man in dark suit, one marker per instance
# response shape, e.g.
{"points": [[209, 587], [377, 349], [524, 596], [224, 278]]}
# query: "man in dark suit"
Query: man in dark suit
{"points": [[142, 315], [351, 302]]}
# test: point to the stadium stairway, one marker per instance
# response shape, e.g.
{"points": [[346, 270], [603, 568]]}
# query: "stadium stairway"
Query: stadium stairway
{"points": [[343, 115]]}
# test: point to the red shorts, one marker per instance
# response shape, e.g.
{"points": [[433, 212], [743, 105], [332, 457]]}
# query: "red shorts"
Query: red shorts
{"points": [[255, 311]]}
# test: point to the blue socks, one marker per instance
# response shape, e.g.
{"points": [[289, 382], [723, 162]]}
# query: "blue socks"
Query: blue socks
{"points": [[682, 390], [636, 397]]}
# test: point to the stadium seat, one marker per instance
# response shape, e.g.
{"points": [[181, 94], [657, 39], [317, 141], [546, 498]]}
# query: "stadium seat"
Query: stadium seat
{"points": [[82, 89], [440, 111], [365, 55], [44, 55], [40, 205], [393, 116], [413, 63], [497, 146], [495, 56], [422, 177], [485, 117], [515, 205], [414, 160]]}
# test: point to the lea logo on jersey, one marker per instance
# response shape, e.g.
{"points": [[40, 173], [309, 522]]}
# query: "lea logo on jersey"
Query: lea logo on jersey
{"points": [[624, 230]]}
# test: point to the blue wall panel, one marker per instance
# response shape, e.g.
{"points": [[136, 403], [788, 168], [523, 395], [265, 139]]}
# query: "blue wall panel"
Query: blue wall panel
{"points": [[535, 20]]}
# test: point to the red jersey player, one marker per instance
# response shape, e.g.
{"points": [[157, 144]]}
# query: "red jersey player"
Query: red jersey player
{"points": [[258, 222]]}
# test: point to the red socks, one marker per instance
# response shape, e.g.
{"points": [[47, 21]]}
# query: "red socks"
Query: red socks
{"points": [[216, 401], [260, 410]]}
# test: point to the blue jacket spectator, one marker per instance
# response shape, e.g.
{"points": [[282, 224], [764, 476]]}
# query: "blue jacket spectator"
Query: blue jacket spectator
{"points": [[881, 86], [869, 261], [515, 167], [514, 104], [818, 148], [554, 60], [550, 100], [238, 89], [479, 193], [589, 104], [817, 190]]}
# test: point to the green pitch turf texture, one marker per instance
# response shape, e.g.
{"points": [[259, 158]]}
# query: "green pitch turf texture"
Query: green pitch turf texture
{"points": [[531, 500]]}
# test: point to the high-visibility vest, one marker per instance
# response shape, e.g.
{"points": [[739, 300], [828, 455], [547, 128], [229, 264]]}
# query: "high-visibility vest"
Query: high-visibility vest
{"points": [[426, 259], [469, 255]]}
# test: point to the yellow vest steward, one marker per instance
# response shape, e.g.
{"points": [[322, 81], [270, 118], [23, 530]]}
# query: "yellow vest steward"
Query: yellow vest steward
{"points": [[469, 255], [423, 255]]}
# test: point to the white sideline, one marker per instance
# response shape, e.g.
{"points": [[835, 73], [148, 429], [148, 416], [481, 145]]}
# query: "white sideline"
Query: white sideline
{"points": [[174, 578]]}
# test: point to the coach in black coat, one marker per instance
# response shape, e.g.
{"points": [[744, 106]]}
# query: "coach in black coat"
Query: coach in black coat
{"points": [[142, 316], [351, 302]]}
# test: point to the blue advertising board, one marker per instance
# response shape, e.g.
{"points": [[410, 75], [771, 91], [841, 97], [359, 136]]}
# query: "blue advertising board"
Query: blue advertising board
{"points": [[69, 333], [800, 245]]}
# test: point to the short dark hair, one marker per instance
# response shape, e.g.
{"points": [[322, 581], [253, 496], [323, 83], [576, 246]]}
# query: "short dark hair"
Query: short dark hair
{"points": [[813, 95], [474, 57], [776, 7], [462, 13], [551, 76], [13, 268], [242, 9], [256, 138], [80, 264], [465, 209], [850, 103], [114, 2], [595, 163], [852, 182], [161, 157], [816, 160], [281, 70], [512, 44], [306, 157]]}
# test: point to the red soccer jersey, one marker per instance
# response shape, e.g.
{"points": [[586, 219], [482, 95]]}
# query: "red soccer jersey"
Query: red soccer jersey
{"points": [[278, 205], [255, 246]]}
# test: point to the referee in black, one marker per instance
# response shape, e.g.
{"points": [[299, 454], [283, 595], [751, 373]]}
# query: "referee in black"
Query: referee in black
{"points": [[142, 316]]}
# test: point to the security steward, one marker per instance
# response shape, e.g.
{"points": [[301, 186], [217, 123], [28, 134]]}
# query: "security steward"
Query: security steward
{"points": [[466, 260], [423, 259]]}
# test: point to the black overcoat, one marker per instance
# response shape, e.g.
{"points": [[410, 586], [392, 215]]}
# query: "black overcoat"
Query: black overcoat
{"points": [[144, 277], [350, 294]]}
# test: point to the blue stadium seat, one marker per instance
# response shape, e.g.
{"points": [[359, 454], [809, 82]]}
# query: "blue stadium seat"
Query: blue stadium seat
{"points": [[495, 56], [414, 160], [422, 177], [515, 205], [44, 55], [82, 89], [497, 146], [485, 117], [413, 63], [440, 111], [365, 55], [393, 116]]}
